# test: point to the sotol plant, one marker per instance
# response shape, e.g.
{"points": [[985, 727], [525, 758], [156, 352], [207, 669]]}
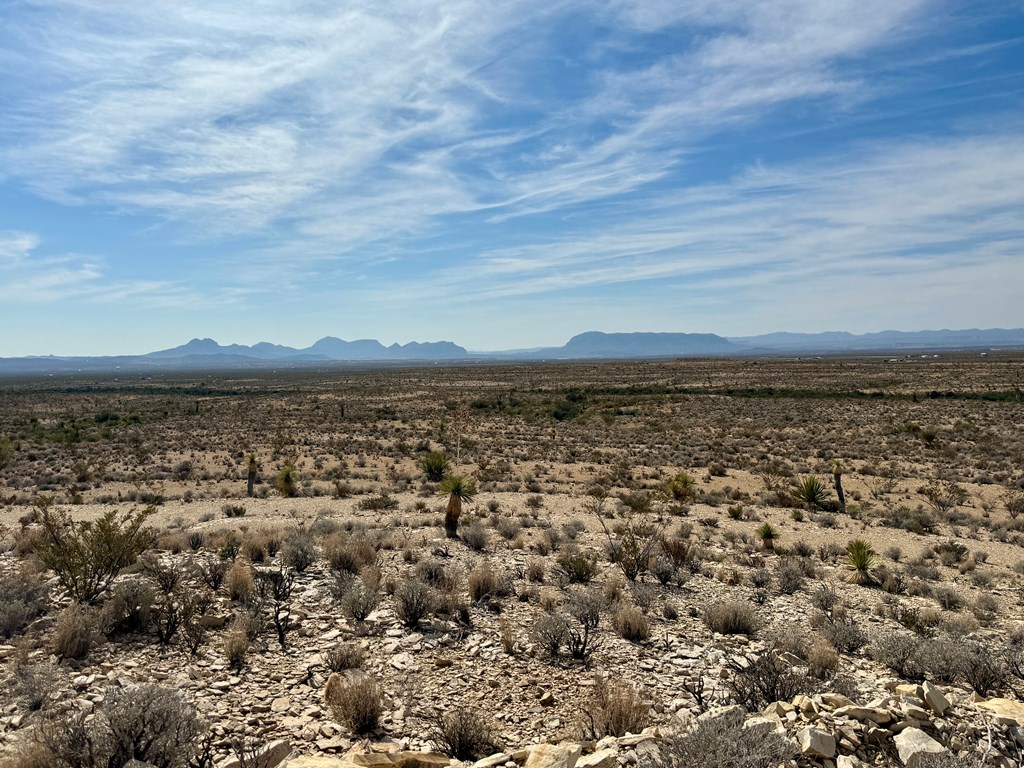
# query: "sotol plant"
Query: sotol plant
{"points": [[435, 465], [861, 558], [812, 491]]}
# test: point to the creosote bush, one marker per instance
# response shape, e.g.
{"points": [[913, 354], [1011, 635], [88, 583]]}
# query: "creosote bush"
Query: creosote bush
{"points": [[88, 555]]}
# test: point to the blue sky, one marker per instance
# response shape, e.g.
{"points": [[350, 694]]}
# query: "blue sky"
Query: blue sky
{"points": [[505, 174]]}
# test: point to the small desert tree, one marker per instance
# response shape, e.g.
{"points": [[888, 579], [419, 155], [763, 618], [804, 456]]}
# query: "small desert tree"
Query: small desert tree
{"points": [[88, 555], [458, 489]]}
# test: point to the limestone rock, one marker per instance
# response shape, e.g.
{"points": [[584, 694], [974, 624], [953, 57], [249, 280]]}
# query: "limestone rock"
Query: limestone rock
{"points": [[817, 743], [603, 758], [318, 761], [865, 714], [499, 758], [419, 760], [554, 756], [912, 742], [934, 699], [1006, 711]]}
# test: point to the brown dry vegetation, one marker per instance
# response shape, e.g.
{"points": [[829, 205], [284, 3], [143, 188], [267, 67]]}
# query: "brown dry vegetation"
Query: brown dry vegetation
{"points": [[578, 554]]}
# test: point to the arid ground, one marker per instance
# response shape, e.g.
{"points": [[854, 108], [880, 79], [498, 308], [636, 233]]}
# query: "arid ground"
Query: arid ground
{"points": [[639, 545]]}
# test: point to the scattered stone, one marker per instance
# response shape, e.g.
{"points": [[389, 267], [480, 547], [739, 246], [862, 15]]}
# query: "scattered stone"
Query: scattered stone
{"points": [[912, 742], [554, 756], [934, 699], [817, 743]]}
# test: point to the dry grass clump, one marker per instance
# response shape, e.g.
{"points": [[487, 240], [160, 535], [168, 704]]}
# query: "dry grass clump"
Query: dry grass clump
{"points": [[614, 708], [631, 623], [74, 634], [349, 553], [730, 617], [239, 582], [236, 646], [355, 702]]}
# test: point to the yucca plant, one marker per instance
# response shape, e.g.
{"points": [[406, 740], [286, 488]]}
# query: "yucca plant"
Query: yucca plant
{"points": [[837, 480], [812, 491], [435, 465], [767, 534], [288, 480], [458, 488], [861, 558]]}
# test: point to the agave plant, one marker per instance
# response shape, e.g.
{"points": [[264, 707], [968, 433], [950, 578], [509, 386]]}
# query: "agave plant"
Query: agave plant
{"points": [[767, 533], [861, 558], [458, 488], [812, 491], [435, 465]]}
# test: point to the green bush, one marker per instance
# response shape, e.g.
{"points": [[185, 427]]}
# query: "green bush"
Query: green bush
{"points": [[88, 555]]}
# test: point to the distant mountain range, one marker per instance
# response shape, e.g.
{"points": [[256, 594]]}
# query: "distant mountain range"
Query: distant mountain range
{"points": [[208, 354]]}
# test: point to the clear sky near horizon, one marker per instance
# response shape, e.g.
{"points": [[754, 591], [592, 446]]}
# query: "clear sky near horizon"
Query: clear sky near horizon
{"points": [[505, 174]]}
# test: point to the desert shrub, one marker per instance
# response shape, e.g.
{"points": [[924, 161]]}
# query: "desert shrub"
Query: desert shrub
{"points": [[236, 645], [33, 685], [577, 566], [948, 598], [790, 576], [299, 550], [980, 668], [550, 631], [483, 582], [358, 600], [631, 624], [614, 708], [347, 553], [147, 723], [212, 573], [766, 679], [723, 743], [464, 734], [829, 552], [22, 599], [414, 600], [535, 571], [475, 536], [87, 556], [437, 575], [730, 617], [682, 552], [343, 656], [632, 548], [381, 503], [844, 634], [233, 510], [986, 608], [760, 578], [508, 528], [239, 583], [74, 634], [355, 702], [822, 660], [435, 465], [274, 586]]}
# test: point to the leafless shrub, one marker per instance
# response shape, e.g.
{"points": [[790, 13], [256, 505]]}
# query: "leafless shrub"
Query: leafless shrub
{"points": [[463, 734], [721, 743]]}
